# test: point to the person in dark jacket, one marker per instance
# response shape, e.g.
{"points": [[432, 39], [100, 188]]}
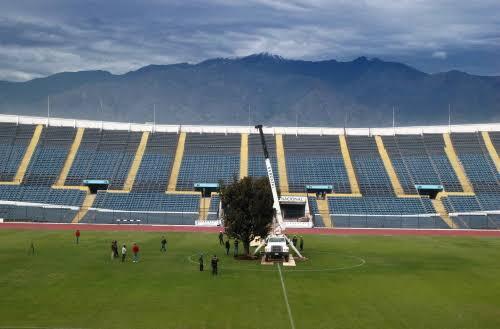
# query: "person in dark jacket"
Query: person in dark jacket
{"points": [[115, 249], [236, 243], [214, 263], [200, 261], [163, 244], [294, 241], [301, 243], [221, 238], [228, 246]]}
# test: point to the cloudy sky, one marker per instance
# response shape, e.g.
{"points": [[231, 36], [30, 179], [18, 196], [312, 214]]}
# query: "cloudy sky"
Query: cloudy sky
{"points": [[41, 37]]}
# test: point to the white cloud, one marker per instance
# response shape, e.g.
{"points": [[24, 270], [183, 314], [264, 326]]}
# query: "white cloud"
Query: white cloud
{"points": [[440, 54]]}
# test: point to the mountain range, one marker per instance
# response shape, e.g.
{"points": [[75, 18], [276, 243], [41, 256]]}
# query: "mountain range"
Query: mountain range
{"points": [[262, 88]]}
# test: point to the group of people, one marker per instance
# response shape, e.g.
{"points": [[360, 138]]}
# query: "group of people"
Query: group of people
{"points": [[214, 263], [301, 243], [227, 245], [115, 255]]}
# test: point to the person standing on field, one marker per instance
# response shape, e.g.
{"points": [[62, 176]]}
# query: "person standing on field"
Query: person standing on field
{"points": [[200, 261], [77, 235], [301, 243], [135, 251], [236, 243], [228, 246], [124, 253], [215, 262], [294, 241], [163, 244], [221, 238]]}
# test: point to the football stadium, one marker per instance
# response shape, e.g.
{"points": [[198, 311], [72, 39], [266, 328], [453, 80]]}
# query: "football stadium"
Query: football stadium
{"points": [[399, 226]]}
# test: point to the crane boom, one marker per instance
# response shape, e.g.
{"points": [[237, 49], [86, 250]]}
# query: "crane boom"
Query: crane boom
{"points": [[269, 168]]}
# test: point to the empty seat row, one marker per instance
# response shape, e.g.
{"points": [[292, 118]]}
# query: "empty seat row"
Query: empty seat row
{"points": [[41, 194], [136, 201], [378, 205]]}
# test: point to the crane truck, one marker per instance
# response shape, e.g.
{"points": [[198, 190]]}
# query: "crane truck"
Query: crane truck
{"points": [[276, 245]]}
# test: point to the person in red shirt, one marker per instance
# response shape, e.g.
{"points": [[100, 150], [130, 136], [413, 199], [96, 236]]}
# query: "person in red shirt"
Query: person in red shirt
{"points": [[135, 251], [77, 235]]}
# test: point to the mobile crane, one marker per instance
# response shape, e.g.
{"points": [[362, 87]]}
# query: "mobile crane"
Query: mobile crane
{"points": [[276, 245]]}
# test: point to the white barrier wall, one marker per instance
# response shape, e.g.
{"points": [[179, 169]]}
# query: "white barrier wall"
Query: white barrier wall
{"points": [[106, 125]]}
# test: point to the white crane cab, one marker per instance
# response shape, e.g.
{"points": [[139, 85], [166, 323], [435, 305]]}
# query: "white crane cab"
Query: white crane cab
{"points": [[276, 248]]}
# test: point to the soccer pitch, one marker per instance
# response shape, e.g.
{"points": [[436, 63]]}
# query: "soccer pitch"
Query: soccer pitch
{"points": [[347, 282]]}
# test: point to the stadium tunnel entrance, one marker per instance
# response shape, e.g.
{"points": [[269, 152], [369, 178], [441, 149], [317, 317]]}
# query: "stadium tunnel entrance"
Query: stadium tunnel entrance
{"points": [[430, 190], [95, 185], [206, 189], [319, 190], [294, 208]]}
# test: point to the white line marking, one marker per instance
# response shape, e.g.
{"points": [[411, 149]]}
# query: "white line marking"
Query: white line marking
{"points": [[292, 323]]}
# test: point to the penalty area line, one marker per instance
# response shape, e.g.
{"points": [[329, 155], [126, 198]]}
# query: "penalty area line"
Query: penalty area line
{"points": [[292, 323]]}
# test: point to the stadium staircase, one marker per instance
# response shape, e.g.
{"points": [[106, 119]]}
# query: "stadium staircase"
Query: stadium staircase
{"points": [[324, 212], [491, 150], [136, 163], [244, 156], [204, 207], [457, 166], [353, 182], [71, 157], [28, 154], [176, 167], [396, 185], [87, 203], [441, 210], [280, 154]]}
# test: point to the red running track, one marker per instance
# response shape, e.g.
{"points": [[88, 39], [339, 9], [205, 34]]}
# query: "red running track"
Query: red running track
{"points": [[191, 228]]}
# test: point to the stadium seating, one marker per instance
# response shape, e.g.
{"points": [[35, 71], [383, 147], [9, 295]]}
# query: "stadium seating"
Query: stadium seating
{"points": [[41, 194], [209, 158], [213, 211], [495, 139], [420, 160], [434, 146], [14, 140], [476, 161], [145, 208], [379, 205], [256, 164], [368, 165], [156, 163], [50, 154], [105, 155], [315, 160]]}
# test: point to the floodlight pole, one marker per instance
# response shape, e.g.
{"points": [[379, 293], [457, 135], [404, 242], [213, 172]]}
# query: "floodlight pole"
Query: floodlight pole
{"points": [[393, 122], [449, 118], [48, 110]]}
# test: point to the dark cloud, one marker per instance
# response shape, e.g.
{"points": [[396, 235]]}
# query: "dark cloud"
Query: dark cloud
{"points": [[43, 37]]}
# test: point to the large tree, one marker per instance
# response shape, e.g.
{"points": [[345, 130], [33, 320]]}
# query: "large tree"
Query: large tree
{"points": [[248, 209]]}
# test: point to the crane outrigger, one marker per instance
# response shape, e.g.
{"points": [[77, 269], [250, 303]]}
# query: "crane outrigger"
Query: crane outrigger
{"points": [[276, 243]]}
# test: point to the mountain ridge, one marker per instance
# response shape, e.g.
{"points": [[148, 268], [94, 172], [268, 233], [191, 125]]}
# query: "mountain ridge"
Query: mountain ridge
{"points": [[265, 87]]}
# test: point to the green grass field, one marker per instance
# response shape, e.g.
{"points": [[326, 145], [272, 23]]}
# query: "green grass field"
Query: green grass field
{"points": [[348, 282]]}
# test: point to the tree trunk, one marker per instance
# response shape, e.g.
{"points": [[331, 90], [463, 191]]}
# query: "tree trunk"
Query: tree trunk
{"points": [[246, 246]]}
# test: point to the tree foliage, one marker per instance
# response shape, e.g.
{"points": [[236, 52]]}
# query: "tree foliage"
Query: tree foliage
{"points": [[248, 209]]}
